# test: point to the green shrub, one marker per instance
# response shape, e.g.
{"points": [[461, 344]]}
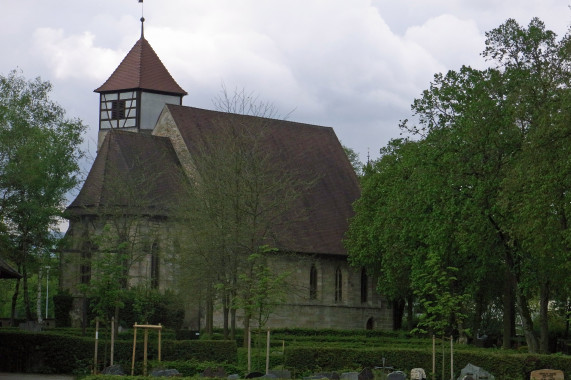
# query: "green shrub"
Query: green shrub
{"points": [[502, 365], [51, 353]]}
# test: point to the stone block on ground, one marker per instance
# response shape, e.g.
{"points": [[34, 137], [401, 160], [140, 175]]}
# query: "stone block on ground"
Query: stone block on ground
{"points": [[366, 374], [547, 374], [396, 375], [113, 370], [350, 376], [475, 372], [417, 374], [171, 372], [218, 372]]}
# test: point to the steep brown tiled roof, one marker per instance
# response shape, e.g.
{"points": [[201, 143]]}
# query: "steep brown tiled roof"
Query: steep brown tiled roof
{"points": [[128, 160], [142, 69], [314, 152], [137, 171]]}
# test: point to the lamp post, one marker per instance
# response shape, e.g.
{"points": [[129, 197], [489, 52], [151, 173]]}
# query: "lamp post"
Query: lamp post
{"points": [[47, 288]]}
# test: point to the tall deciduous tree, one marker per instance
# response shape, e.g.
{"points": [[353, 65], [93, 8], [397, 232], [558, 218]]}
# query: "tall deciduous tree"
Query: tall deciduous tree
{"points": [[237, 197], [536, 70], [491, 175], [39, 154]]}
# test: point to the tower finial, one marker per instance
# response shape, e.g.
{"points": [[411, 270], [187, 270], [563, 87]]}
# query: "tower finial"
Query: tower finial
{"points": [[142, 20]]}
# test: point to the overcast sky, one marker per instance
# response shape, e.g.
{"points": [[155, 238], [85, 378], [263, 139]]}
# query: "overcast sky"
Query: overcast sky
{"points": [[354, 65]]}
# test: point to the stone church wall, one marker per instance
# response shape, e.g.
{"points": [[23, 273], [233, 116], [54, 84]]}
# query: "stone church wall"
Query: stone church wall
{"points": [[323, 311], [335, 302]]}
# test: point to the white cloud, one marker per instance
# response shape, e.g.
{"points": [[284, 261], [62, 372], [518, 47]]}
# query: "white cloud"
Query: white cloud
{"points": [[354, 65], [452, 41], [75, 56]]}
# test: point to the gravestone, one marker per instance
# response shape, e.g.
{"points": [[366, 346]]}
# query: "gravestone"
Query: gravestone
{"points": [[280, 374], [547, 374], [233, 376], [113, 370], [326, 375], [417, 374], [350, 376], [165, 373], [254, 375], [475, 372], [214, 372], [366, 374], [396, 375]]}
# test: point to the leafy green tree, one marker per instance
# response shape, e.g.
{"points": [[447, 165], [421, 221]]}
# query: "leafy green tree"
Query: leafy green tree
{"points": [[382, 236], [39, 154], [490, 184], [262, 289], [354, 160], [536, 69]]}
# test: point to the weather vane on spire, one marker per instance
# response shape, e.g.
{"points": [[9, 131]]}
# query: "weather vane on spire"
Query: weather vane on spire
{"points": [[142, 20]]}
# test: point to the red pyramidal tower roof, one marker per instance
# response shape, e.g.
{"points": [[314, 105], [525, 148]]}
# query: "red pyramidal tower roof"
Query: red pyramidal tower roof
{"points": [[142, 69]]}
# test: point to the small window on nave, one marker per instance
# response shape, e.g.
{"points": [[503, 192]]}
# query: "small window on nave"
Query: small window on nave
{"points": [[338, 285], [313, 282]]}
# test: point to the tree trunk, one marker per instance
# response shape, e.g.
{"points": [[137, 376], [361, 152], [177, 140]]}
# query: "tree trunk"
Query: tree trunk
{"points": [[247, 318], [477, 317], [14, 303], [527, 324], [410, 313], [543, 318], [209, 323], [39, 297], [568, 317], [26, 295], [84, 316], [398, 312], [226, 312], [508, 317], [116, 325], [232, 323]]}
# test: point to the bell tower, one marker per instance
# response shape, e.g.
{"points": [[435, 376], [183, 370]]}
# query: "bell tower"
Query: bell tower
{"points": [[135, 94]]}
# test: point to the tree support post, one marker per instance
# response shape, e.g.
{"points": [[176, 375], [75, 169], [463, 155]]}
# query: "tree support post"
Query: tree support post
{"points": [[451, 358], [96, 343], [146, 328], [268, 352]]}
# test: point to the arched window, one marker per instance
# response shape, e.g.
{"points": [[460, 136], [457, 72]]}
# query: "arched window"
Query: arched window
{"points": [[313, 282], [370, 324], [364, 286], [155, 267], [338, 285]]}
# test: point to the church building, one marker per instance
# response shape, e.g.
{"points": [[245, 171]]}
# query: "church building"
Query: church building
{"points": [[149, 149]]}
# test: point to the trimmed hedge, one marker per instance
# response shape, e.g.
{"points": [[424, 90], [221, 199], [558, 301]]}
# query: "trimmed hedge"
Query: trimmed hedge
{"points": [[303, 360], [49, 353]]}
